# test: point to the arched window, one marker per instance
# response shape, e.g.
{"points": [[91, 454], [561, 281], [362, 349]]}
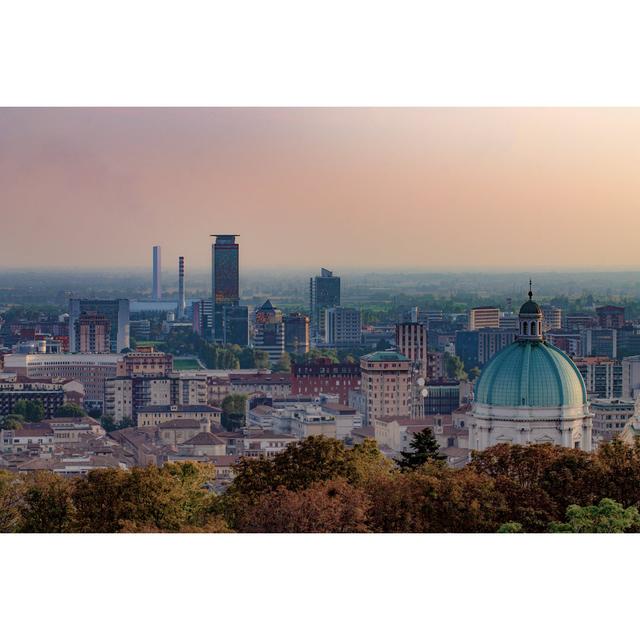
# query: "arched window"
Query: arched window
{"points": [[525, 327], [533, 328]]}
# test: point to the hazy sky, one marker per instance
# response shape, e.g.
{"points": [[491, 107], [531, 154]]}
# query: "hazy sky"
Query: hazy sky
{"points": [[386, 188]]}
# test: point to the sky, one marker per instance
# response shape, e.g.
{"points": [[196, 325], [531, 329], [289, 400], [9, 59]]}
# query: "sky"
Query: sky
{"points": [[387, 189]]}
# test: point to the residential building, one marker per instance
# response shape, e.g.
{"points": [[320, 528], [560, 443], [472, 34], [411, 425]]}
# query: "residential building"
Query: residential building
{"points": [[269, 331], [412, 341], [602, 376], [324, 376], [296, 333], [435, 365], [610, 415], [49, 392], [34, 440], [346, 419], [151, 416], [484, 318], [92, 333], [202, 318], [140, 329], [225, 280], [265, 443], [115, 311], [145, 362], [274, 385], [551, 318], [475, 348], [386, 384], [324, 293], [342, 327]]}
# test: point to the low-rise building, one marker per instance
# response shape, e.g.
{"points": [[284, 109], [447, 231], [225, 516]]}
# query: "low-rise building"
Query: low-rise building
{"points": [[154, 415], [265, 443]]}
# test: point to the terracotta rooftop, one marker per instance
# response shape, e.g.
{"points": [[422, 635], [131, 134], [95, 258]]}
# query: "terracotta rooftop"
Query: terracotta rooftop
{"points": [[180, 423], [204, 437]]}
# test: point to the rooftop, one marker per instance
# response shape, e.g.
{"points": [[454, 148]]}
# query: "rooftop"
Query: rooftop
{"points": [[385, 356], [180, 408]]}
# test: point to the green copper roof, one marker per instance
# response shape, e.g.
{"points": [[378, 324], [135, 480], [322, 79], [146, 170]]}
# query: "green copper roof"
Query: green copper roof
{"points": [[533, 374], [385, 356]]}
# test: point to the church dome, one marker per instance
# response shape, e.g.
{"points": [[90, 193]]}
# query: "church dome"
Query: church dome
{"points": [[530, 308], [531, 374]]}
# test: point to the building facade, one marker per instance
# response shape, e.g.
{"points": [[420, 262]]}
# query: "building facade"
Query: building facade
{"points": [[296, 333], [225, 279], [386, 385], [269, 331], [322, 376], [115, 311], [484, 318], [324, 292], [342, 327]]}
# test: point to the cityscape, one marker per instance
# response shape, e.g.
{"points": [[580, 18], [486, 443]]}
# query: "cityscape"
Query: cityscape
{"points": [[259, 395]]}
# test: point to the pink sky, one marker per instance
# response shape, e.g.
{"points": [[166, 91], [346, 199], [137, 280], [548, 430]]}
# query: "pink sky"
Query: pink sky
{"points": [[374, 188]]}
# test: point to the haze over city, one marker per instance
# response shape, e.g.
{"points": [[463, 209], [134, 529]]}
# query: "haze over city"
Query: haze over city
{"points": [[365, 188]]}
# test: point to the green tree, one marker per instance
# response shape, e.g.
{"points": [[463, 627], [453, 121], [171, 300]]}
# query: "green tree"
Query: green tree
{"points": [[108, 423], [233, 411], [10, 501], [608, 516], [422, 449], [454, 367], [284, 363], [510, 527], [474, 373], [69, 410], [261, 359], [13, 421], [31, 410]]}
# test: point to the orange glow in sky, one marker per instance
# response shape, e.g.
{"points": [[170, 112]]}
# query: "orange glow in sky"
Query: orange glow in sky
{"points": [[374, 188]]}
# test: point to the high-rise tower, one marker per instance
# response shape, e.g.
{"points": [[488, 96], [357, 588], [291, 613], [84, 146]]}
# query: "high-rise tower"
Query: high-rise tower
{"points": [[225, 279], [324, 292], [156, 290], [182, 305]]}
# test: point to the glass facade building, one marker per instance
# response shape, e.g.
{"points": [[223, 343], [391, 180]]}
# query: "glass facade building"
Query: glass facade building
{"points": [[225, 280]]}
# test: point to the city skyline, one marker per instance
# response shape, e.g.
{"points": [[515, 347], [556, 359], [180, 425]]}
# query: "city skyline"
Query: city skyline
{"points": [[373, 188]]}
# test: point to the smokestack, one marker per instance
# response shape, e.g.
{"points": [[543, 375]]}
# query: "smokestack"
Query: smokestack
{"points": [[156, 291], [181, 299]]}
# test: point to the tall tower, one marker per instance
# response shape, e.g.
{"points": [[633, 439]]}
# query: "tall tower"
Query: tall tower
{"points": [[182, 305], [225, 279], [324, 292], [156, 290]]}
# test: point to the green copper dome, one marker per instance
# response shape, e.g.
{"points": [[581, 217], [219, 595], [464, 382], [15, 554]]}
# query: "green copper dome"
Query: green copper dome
{"points": [[530, 308], [531, 374]]}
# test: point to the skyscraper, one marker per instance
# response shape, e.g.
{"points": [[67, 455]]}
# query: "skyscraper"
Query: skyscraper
{"points": [[342, 327], [235, 325], [156, 292], [324, 292], [225, 280], [182, 305], [115, 311], [296, 333]]}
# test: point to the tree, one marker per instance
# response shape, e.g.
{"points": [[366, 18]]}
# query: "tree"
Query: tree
{"points": [[261, 359], [108, 423], [69, 410], [10, 501], [31, 410], [608, 516], [234, 411], [510, 527], [454, 367], [284, 363], [47, 504], [332, 506], [13, 421], [474, 373], [422, 449]]}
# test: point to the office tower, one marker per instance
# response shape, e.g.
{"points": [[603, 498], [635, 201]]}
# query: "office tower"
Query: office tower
{"points": [[296, 333], [411, 341], [269, 331], [225, 279], [182, 305], [202, 318], [115, 311], [324, 292], [342, 327], [235, 325], [610, 317], [156, 292], [92, 333], [603, 377], [475, 348], [484, 318], [600, 342]]}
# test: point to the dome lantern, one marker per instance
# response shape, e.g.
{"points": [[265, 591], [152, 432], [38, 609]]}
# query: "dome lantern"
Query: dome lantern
{"points": [[530, 319]]}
